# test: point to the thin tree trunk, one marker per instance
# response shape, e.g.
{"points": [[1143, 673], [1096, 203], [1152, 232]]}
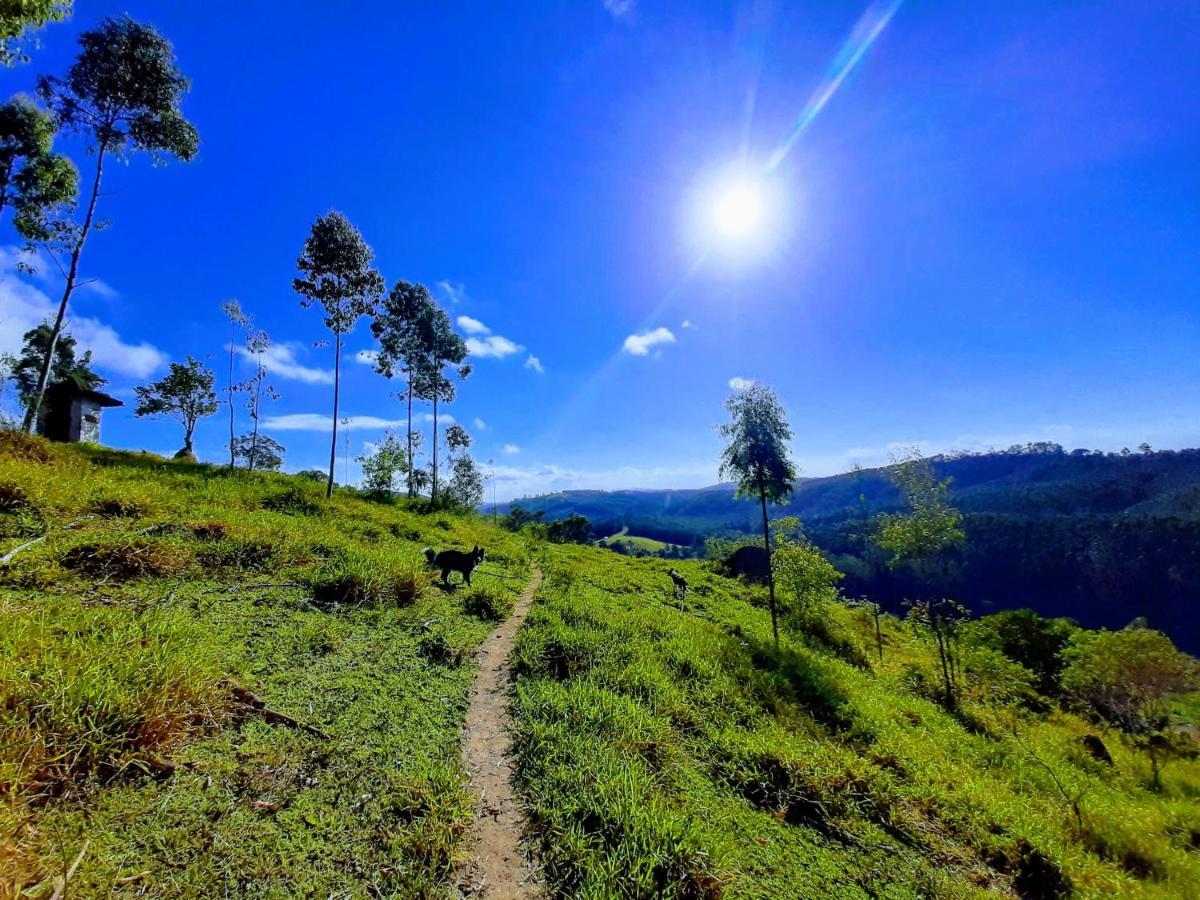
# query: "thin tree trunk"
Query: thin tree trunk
{"points": [[762, 496], [232, 410], [433, 492], [408, 428], [257, 403], [878, 632], [35, 406], [337, 380]]}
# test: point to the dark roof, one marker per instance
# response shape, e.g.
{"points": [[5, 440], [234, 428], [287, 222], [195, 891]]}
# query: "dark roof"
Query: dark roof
{"points": [[71, 388]]}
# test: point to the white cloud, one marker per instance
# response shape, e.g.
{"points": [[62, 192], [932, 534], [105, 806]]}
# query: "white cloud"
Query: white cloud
{"points": [[513, 481], [512, 449], [472, 326], [480, 424], [738, 383], [686, 324], [324, 422], [453, 291], [23, 306], [641, 344], [280, 359], [367, 357], [100, 288], [493, 345], [619, 9], [534, 363]]}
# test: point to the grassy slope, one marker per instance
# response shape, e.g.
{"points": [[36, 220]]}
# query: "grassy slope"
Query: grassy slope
{"points": [[675, 753], [634, 541], [113, 667]]}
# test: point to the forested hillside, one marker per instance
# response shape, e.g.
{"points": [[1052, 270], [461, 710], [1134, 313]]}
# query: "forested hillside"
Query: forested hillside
{"points": [[1100, 537]]}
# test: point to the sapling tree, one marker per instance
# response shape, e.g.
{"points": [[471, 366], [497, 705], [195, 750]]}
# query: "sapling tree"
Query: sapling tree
{"points": [[922, 538], [756, 457], [259, 451], [185, 393], [808, 578], [401, 327], [444, 349], [384, 464], [257, 344], [465, 490], [122, 94], [239, 320], [35, 182], [337, 271], [19, 18]]}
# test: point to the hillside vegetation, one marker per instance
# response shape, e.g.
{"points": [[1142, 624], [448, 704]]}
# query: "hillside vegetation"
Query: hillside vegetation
{"points": [[161, 592], [219, 683], [1099, 537]]}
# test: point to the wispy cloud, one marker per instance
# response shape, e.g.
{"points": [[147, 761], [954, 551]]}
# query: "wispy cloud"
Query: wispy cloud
{"points": [[686, 324], [493, 345], [472, 326], [511, 449], [642, 344], [324, 422], [480, 424], [620, 9], [23, 306], [525, 481], [738, 383], [280, 359], [453, 291], [534, 363]]}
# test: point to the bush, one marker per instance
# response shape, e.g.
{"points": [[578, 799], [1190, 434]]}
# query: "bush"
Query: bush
{"points": [[485, 603], [127, 560], [28, 447]]}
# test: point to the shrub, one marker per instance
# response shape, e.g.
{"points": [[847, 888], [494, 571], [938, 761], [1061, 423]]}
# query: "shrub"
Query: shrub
{"points": [[126, 560], [28, 447], [367, 579], [118, 508], [485, 603]]}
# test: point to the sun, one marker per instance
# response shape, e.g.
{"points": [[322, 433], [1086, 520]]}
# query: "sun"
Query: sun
{"points": [[737, 210]]}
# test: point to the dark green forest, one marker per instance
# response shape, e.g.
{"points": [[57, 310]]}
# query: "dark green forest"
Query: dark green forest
{"points": [[1102, 538]]}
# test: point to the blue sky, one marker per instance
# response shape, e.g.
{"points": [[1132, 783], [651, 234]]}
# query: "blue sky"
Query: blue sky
{"points": [[988, 234]]}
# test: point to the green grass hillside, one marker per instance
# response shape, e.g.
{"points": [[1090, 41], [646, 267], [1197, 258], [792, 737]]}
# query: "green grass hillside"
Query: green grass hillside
{"points": [[214, 683], [159, 592], [676, 753]]}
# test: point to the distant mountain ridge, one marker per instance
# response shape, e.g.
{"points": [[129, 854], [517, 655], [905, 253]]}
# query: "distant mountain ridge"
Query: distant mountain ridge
{"points": [[1100, 537]]}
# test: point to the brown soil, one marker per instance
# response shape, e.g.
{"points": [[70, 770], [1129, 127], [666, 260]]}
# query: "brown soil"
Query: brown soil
{"points": [[496, 867]]}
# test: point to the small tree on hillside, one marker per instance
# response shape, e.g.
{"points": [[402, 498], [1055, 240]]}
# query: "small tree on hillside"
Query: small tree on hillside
{"points": [[922, 538], [122, 94], [809, 578], [383, 465], [238, 320], [465, 490], [444, 349], [259, 451], [401, 327], [336, 270], [756, 457], [185, 393], [19, 18], [1126, 677], [37, 183], [257, 388]]}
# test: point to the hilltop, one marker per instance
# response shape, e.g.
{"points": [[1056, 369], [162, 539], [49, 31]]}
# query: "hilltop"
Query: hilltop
{"points": [[216, 681], [1100, 537]]}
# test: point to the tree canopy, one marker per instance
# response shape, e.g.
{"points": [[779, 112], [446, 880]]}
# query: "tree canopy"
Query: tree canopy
{"points": [[34, 181], [185, 393], [19, 18], [67, 365]]}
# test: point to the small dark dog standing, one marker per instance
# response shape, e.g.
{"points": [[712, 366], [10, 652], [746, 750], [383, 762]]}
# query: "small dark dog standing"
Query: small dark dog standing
{"points": [[455, 561]]}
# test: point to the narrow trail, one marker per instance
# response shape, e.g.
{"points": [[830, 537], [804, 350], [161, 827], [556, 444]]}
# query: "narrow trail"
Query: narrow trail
{"points": [[495, 866]]}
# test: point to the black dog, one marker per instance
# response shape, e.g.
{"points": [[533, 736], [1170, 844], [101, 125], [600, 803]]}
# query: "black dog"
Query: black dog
{"points": [[455, 561]]}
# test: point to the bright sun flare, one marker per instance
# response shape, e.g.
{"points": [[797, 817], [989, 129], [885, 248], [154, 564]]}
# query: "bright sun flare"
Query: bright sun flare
{"points": [[737, 210]]}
